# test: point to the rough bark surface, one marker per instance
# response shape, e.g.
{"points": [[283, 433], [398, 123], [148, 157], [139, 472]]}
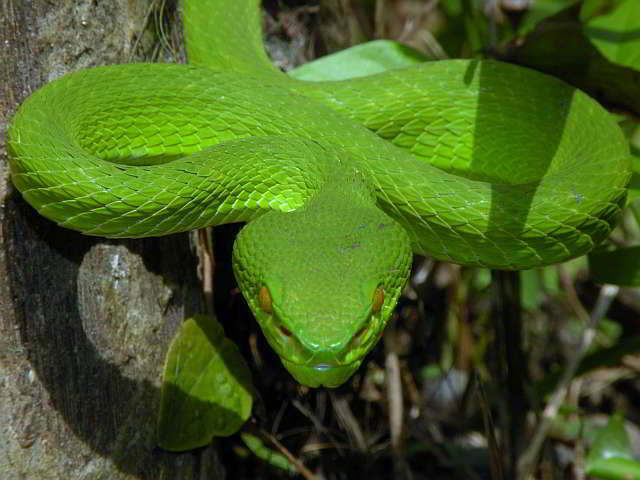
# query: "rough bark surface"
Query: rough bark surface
{"points": [[84, 322]]}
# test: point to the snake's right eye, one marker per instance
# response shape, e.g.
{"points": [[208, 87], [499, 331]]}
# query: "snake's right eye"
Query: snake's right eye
{"points": [[264, 298], [377, 301]]}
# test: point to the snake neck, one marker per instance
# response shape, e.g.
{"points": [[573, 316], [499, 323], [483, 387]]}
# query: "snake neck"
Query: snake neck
{"points": [[217, 43]]}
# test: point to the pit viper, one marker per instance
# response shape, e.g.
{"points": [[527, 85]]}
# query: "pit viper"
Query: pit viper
{"points": [[340, 182]]}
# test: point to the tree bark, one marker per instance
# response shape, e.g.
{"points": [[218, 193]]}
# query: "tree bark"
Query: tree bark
{"points": [[84, 322]]}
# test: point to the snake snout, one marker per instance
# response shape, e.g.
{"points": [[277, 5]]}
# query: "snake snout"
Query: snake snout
{"points": [[323, 367]]}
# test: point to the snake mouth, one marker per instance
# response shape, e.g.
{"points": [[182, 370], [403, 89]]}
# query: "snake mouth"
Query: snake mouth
{"points": [[323, 367], [321, 374]]}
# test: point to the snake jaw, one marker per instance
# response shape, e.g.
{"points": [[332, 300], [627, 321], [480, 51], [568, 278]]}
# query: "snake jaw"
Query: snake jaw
{"points": [[320, 365], [321, 374], [323, 367], [316, 365]]}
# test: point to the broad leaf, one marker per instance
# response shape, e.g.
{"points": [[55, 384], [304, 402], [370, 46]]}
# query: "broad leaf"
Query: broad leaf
{"points": [[562, 49], [614, 469], [617, 34], [540, 10], [206, 390], [610, 456], [358, 61], [594, 8]]}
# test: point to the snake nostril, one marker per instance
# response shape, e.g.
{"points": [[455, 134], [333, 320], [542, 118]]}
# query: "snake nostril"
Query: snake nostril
{"points": [[285, 331]]}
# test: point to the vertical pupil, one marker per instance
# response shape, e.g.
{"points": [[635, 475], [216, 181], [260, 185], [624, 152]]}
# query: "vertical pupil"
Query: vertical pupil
{"points": [[378, 300], [264, 297]]}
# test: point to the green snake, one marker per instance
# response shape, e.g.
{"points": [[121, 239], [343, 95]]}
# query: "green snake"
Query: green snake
{"points": [[468, 161]]}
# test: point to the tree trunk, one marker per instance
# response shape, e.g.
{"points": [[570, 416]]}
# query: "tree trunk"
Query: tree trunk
{"points": [[84, 322]]}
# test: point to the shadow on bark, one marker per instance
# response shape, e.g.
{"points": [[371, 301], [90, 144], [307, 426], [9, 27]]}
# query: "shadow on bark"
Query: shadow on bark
{"points": [[110, 407]]}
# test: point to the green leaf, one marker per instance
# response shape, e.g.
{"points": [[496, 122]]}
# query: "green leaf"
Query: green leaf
{"points": [[594, 8], [536, 284], [631, 128], [634, 186], [571, 424], [358, 61], [634, 183], [614, 469], [618, 267], [610, 456], [617, 34], [612, 441], [265, 453], [451, 7], [481, 279], [531, 292], [206, 389], [563, 50], [540, 10]]}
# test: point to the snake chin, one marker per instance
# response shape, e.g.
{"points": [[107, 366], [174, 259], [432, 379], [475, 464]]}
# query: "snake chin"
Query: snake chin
{"points": [[321, 374]]}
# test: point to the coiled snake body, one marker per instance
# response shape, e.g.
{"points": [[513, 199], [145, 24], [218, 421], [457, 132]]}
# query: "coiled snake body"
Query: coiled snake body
{"points": [[475, 162]]}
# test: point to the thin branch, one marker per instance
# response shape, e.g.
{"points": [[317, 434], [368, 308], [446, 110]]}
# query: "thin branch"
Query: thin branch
{"points": [[304, 471]]}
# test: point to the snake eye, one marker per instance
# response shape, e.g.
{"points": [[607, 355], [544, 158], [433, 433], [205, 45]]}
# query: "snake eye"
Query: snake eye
{"points": [[264, 298], [378, 300]]}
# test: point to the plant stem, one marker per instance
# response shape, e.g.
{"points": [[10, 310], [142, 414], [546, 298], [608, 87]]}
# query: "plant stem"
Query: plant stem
{"points": [[511, 365]]}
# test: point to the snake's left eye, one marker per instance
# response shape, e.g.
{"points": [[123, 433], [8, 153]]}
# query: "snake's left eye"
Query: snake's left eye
{"points": [[264, 298], [378, 300]]}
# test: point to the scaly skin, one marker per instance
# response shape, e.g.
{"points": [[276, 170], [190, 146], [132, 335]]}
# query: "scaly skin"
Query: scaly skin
{"points": [[474, 162]]}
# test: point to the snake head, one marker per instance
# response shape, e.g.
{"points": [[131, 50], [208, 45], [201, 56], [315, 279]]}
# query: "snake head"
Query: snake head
{"points": [[322, 281]]}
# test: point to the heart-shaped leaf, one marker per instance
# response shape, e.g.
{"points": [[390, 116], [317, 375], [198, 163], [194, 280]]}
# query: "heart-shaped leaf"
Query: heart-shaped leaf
{"points": [[206, 391]]}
